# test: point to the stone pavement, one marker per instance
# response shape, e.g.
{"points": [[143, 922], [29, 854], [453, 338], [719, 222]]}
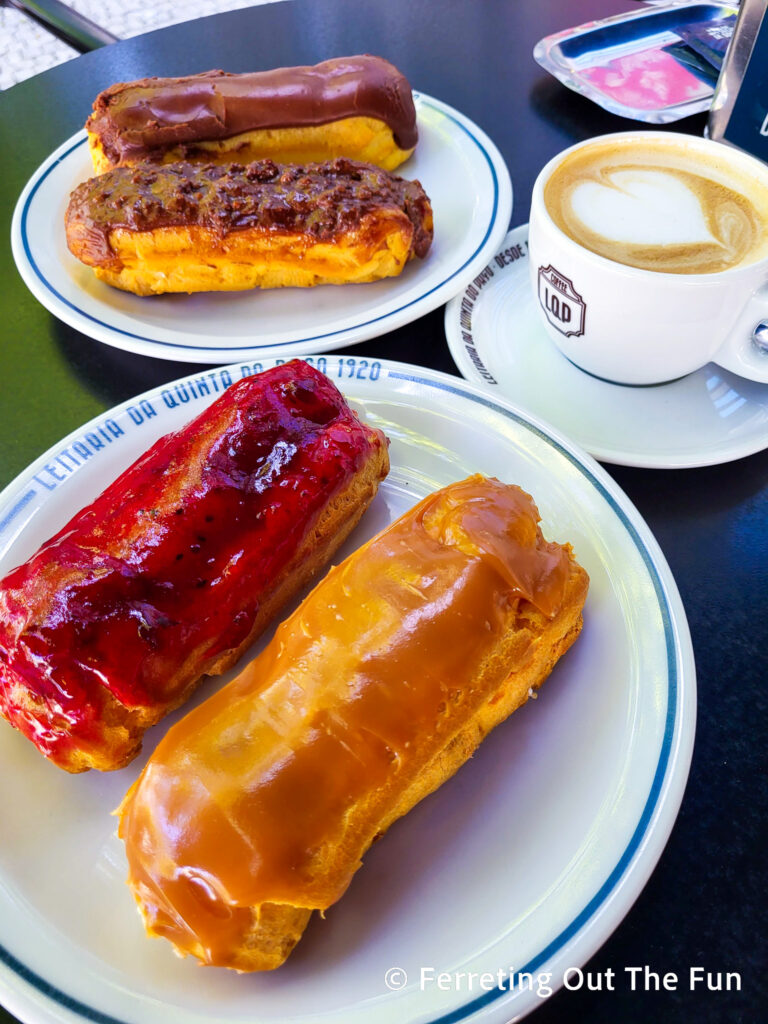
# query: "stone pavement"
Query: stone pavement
{"points": [[26, 48]]}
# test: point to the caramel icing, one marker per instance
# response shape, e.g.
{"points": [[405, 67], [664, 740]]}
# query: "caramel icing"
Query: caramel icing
{"points": [[135, 120], [273, 789]]}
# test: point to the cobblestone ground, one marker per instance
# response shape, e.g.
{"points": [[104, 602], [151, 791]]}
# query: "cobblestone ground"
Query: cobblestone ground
{"points": [[26, 48]]}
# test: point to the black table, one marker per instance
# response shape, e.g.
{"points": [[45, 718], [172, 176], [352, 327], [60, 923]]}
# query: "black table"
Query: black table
{"points": [[703, 904]]}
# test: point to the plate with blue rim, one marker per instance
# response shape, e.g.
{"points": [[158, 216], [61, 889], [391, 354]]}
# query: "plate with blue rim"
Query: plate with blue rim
{"points": [[478, 902], [215, 327]]}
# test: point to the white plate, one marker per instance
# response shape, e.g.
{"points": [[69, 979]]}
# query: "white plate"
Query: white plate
{"points": [[496, 340], [458, 165], [526, 861]]}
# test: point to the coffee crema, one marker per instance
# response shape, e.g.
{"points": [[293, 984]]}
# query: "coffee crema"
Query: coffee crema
{"points": [[661, 207]]}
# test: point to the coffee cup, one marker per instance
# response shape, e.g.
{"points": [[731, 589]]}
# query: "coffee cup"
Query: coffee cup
{"points": [[649, 256]]}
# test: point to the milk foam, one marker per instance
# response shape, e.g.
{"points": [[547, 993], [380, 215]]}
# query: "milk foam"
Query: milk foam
{"points": [[642, 206], [660, 206]]}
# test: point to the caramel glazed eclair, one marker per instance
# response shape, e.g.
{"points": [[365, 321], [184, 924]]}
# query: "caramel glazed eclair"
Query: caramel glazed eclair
{"points": [[258, 806], [360, 107], [189, 228]]}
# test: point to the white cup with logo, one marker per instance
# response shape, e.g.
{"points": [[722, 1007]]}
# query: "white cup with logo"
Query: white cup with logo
{"points": [[649, 256]]}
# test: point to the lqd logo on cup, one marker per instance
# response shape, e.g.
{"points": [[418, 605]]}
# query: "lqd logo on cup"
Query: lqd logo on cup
{"points": [[563, 306]]}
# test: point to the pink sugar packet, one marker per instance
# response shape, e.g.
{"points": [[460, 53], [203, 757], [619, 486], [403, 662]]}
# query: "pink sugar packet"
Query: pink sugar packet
{"points": [[646, 80]]}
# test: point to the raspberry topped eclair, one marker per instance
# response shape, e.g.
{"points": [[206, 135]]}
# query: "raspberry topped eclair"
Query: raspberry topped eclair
{"points": [[180, 563]]}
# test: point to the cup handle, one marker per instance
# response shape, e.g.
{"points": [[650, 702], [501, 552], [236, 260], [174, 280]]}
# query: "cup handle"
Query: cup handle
{"points": [[745, 350]]}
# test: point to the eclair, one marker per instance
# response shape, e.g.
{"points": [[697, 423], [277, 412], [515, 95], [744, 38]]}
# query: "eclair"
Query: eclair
{"points": [[258, 807], [189, 228], [359, 107], [172, 572]]}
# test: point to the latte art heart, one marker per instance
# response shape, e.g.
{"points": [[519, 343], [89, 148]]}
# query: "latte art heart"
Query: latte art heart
{"points": [[640, 206], [658, 207]]}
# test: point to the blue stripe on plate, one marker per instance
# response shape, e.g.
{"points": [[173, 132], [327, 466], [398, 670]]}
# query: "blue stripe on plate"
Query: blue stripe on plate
{"points": [[280, 344], [632, 847], [23, 501]]}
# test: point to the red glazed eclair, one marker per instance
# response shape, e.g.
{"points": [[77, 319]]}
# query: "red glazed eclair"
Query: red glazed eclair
{"points": [[180, 563], [257, 807], [359, 107]]}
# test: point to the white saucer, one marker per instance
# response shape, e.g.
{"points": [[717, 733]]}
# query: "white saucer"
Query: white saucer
{"points": [[215, 327], [496, 339]]}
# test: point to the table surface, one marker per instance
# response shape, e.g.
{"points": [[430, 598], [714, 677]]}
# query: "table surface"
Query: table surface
{"points": [[702, 905]]}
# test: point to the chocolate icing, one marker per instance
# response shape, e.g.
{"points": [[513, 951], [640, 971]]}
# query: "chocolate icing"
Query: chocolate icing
{"points": [[322, 200], [137, 120]]}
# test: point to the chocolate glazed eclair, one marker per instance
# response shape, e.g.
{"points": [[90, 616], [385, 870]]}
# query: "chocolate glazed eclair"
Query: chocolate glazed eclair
{"points": [[359, 107], [190, 228]]}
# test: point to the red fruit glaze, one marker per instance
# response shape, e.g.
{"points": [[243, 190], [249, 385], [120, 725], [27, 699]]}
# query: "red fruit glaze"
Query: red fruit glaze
{"points": [[143, 589]]}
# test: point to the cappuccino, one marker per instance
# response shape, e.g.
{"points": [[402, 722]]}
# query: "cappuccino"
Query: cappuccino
{"points": [[660, 205]]}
